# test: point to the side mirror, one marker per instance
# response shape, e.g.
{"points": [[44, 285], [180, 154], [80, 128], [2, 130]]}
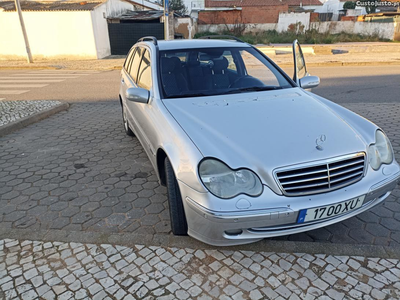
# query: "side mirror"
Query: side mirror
{"points": [[137, 95], [300, 69], [309, 82]]}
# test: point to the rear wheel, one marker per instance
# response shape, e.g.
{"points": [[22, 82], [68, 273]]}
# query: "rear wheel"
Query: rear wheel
{"points": [[176, 210], [128, 130]]}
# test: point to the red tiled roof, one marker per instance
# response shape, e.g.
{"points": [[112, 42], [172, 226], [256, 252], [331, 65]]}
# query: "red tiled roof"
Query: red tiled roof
{"points": [[246, 3]]}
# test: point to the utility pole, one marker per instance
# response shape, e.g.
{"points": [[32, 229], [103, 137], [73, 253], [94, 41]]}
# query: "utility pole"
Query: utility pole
{"points": [[166, 20], [21, 20]]}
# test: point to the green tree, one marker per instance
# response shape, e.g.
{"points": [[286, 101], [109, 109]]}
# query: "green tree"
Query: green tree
{"points": [[176, 5], [349, 5], [369, 8]]}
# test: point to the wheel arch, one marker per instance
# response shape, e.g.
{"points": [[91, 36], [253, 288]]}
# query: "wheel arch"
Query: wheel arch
{"points": [[160, 158]]}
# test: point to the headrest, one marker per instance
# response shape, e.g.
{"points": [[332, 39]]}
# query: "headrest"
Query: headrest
{"points": [[220, 64], [167, 65], [177, 62]]}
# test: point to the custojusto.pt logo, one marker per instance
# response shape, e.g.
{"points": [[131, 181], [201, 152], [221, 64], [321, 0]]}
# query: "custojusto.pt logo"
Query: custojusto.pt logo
{"points": [[378, 3]]}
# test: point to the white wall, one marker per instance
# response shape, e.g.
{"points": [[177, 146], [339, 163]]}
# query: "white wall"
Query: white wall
{"points": [[100, 31], [286, 19], [58, 34], [250, 28], [384, 30]]}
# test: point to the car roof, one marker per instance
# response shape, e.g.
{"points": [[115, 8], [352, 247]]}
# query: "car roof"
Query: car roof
{"points": [[199, 43]]}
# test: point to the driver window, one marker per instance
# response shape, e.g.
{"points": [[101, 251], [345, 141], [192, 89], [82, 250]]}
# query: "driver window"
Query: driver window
{"points": [[257, 69]]}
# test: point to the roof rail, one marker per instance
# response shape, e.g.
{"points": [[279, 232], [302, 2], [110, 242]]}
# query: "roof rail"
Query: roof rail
{"points": [[219, 36], [148, 38]]}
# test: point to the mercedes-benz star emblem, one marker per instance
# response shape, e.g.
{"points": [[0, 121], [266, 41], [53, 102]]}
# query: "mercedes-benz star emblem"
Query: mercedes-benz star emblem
{"points": [[320, 141]]}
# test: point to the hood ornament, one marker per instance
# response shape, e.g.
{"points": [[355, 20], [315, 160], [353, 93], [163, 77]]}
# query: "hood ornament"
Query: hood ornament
{"points": [[320, 141]]}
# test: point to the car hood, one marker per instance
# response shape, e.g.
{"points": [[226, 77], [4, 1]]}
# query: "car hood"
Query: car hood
{"points": [[264, 130]]}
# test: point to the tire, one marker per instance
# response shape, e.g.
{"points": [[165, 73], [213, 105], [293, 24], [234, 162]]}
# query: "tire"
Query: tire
{"points": [[176, 210], [127, 129]]}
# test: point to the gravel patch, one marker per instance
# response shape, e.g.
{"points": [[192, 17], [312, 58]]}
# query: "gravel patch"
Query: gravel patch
{"points": [[11, 111]]}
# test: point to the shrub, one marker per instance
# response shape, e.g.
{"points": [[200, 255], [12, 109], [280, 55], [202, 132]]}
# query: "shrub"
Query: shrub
{"points": [[349, 5]]}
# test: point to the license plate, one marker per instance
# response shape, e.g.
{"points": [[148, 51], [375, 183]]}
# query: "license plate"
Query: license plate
{"points": [[323, 212]]}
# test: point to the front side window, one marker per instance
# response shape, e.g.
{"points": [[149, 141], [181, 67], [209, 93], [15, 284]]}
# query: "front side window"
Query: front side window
{"points": [[144, 76], [217, 71]]}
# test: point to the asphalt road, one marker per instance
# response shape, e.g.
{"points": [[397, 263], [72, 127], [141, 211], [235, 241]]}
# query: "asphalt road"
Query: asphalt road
{"points": [[366, 84]]}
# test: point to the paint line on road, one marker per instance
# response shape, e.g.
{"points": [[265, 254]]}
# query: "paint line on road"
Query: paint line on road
{"points": [[12, 92], [55, 74], [23, 85], [30, 77], [45, 74], [29, 81], [63, 72]]}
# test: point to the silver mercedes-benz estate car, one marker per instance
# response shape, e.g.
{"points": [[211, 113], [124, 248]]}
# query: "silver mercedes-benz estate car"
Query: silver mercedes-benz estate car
{"points": [[247, 152]]}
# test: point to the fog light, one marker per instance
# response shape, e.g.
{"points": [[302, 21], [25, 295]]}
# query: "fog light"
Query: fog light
{"points": [[234, 232]]}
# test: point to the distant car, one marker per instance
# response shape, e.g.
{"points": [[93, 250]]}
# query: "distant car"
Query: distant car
{"points": [[246, 152]]}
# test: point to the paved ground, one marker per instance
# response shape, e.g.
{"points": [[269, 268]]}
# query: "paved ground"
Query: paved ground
{"points": [[54, 270], [87, 175]]}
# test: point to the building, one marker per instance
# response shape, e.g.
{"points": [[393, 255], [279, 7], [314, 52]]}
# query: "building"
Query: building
{"points": [[241, 11], [62, 30]]}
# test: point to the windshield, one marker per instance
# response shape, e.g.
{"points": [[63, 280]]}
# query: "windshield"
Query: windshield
{"points": [[217, 71]]}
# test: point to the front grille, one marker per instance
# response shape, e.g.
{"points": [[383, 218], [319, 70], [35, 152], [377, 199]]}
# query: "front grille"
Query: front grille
{"points": [[321, 177]]}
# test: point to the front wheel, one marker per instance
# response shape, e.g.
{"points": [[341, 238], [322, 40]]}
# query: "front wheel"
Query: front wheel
{"points": [[176, 210], [127, 129]]}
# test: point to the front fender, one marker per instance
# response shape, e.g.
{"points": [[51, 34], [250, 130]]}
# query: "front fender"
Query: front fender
{"points": [[179, 148]]}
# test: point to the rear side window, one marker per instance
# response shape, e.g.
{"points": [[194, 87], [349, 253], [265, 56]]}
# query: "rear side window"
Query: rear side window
{"points": [[144, 77], [135, 64]]}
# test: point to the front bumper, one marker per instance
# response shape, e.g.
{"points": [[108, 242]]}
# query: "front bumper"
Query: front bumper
{"points": [[247, 226]]}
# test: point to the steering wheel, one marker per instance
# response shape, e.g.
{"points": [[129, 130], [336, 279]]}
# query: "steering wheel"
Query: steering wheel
{"points": [[247, 82]]}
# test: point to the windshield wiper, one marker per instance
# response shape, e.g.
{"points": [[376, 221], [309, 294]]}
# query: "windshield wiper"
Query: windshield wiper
{"points": [[189, 95], [248, 89], [255, 89]]}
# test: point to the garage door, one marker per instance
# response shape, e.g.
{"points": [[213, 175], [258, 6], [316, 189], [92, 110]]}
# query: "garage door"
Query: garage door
{"points": [[124, 35]]}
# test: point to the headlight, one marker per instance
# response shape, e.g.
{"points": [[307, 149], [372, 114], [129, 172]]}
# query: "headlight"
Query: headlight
{"points": [[226, 183], [381, 152]]}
